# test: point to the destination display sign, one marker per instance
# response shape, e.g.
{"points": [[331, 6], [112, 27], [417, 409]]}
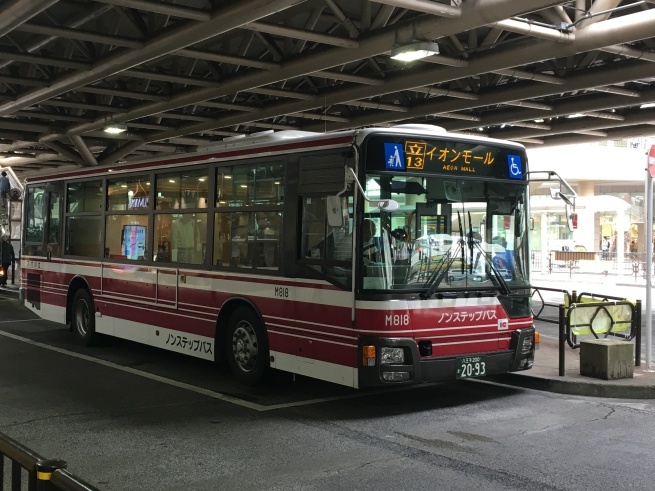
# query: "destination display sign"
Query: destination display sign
{"points": [[459, 158]]}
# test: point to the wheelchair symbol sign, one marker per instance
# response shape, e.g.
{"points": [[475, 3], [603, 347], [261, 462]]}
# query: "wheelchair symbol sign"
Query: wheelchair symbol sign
{"points": [[515, 166]]}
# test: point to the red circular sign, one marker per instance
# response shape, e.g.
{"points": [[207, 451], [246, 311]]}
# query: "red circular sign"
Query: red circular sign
{"points": [[651, 161]]}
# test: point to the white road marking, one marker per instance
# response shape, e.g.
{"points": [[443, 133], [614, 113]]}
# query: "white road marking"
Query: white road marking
{"points": [[193, 388]]}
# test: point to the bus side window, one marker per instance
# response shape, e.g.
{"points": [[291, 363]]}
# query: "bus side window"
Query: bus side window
{"points": [[324, 248], [83, 225], [34, 215]]}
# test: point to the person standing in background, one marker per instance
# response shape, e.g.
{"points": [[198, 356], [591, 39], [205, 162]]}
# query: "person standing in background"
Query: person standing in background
{"points": [[5, 187], [371, 251], [400, 246], [185, 235], [605, 247]]}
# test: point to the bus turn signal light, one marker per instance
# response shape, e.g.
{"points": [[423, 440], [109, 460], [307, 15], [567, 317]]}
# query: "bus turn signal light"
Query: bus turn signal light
{"points": [[368, 356]]}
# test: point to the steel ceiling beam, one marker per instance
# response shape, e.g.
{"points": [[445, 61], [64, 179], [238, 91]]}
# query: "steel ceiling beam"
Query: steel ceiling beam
{"points": [[412, 107], [15, 13], [41, 43], [302, 34], [425, 6], [221, 21], [591, 103], [612, 134], [533, 30], [614, 31], [162, 8], [565, 126], [80, 35], [84, 151], [478, 13]]}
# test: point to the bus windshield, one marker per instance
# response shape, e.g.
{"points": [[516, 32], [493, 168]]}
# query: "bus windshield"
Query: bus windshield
{"points": [[448, 234]]}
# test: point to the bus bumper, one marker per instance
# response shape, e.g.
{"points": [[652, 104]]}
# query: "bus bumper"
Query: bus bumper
{"points": [[418, 369]]}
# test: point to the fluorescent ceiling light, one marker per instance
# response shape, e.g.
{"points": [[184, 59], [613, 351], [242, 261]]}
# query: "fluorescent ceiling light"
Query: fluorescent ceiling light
{"points": [[647, 105], [414, 51], [115, 128], [576, 115]]}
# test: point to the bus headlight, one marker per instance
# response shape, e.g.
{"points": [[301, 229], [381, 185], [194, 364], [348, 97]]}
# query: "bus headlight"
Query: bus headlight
{"points": [[392, 355]]}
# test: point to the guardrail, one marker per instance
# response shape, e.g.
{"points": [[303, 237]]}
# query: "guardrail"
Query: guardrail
{"points": [[544, 304], [590, 262], [30, 471], [592, 314]]}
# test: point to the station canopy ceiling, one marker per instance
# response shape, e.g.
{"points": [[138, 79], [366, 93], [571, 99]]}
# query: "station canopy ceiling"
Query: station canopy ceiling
{"points": [[178, 74]]}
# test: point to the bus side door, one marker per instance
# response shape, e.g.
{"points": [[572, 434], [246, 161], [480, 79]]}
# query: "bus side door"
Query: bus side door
{"points": [[54, 221]]}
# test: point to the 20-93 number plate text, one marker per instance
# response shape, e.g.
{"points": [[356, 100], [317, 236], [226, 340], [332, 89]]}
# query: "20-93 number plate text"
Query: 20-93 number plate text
{"points": [[471, 366]]}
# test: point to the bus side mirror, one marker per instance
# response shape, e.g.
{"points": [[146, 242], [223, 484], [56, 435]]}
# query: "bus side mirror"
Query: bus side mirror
{"points": [[334, 211], [569, 208], [388, 205]]}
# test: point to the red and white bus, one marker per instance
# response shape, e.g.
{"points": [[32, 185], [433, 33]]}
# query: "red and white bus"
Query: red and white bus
{"points": [[373, 257]]}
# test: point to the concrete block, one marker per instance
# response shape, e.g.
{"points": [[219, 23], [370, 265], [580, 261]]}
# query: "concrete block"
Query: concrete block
{"points": [[607, 359]]}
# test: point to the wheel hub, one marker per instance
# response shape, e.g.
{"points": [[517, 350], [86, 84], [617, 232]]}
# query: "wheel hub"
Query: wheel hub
{"points": [[244, 346]]}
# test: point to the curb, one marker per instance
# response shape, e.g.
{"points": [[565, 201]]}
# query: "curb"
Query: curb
{"points": [[577, 387]]}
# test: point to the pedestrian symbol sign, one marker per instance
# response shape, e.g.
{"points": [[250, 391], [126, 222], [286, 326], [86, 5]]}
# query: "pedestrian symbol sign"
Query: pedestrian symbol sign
{"points": [[394, 156]]}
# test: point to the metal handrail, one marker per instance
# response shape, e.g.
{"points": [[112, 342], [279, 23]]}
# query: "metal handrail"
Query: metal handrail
{"points": [[42, 474], [544, 304]]}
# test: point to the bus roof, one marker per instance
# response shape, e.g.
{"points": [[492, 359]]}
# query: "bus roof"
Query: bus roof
{"points": [[271, 143]]}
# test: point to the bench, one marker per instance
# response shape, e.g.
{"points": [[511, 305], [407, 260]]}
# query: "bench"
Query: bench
{"points": [[575, 255]]}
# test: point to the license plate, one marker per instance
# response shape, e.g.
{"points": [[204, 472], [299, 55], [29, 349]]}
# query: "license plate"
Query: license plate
{"points": [[471, 366]]}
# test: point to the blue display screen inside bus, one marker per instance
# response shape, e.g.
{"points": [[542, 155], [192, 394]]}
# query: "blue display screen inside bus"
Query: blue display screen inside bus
{"points": [[133, 241], [460, 158]]}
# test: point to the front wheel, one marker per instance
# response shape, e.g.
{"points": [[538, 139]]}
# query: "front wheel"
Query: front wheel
{"points": [[83, 318], [247, 347]]}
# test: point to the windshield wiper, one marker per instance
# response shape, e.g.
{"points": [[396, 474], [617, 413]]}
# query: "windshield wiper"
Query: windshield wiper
{"points": [[461, 240], [499, 277], [444, 264], [437, 275], [470, 244]]}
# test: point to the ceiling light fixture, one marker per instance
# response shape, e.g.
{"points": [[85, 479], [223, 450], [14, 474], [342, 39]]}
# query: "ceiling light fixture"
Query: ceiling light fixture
{"points": [[414, 51], [115, 128]]}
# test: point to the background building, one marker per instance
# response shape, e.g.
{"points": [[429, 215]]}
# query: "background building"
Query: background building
{"points": [[609, 179]]}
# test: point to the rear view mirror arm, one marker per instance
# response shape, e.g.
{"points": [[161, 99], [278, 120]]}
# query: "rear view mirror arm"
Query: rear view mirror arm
{"points": [[382, 204]]}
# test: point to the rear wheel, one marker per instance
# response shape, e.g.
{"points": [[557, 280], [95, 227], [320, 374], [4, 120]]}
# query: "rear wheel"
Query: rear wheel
{"points": [[247, 347], [83, 318]]}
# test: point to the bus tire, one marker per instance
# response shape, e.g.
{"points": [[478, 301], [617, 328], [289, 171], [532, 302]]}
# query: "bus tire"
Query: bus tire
{"points": [[247, 347], [83, 321]]}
